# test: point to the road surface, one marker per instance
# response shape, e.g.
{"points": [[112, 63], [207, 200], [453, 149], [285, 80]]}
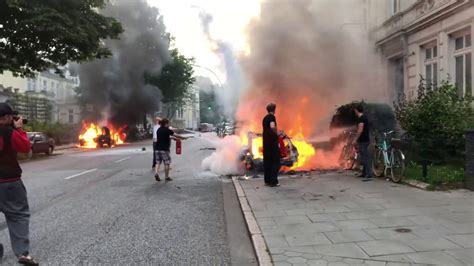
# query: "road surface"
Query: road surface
{"points": [[104, 206]]}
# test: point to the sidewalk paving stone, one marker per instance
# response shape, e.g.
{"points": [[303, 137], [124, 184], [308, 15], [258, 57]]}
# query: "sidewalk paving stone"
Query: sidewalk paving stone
{"points": [[391, 222], [276, 241], [307, 240], [348, 236], [464, 255], [326, 217], [355, 224], [389, 233], [297, 219], [430, 244], [384, 247], [434, 257], [280, 230], [318, 227], [461, 228], [334, 219], [465, 241], [347, 250]]}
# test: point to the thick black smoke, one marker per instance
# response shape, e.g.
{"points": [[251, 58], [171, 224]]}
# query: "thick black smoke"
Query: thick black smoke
{"points": [[114, 88]]}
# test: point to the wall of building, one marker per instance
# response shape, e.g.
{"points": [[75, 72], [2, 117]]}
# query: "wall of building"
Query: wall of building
{"points": [[59, 91], [420, 40], [8, 80]]}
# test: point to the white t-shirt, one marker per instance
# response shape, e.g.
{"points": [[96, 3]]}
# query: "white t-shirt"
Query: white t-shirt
{"points": [[155, 128]]}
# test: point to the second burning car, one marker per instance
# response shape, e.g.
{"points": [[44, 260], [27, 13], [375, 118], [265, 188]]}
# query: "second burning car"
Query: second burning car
{"points": [[252, 154]]}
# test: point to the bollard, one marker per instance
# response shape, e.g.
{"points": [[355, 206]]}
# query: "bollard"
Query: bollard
{"points": [[469, 175]]}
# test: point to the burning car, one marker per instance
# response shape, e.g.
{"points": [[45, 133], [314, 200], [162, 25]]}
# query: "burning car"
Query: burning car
{"points": [[105, 136], [252, 154]]}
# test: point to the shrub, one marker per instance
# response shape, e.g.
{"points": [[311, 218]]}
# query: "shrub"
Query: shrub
{"points": [[435, 122]]}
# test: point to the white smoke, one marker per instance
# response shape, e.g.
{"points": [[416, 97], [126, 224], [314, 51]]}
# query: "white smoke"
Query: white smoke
{"points": [[225, 160]]}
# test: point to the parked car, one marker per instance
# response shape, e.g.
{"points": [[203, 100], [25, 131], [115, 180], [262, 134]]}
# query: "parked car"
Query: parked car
{"points": [[41, 143]]}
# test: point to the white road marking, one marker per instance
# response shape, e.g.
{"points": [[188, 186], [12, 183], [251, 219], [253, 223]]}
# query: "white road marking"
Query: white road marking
{"points": [[123, 159], [76, 175]]}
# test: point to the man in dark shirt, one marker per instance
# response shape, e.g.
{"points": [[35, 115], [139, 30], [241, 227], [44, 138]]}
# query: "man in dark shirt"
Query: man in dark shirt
{"points": [[13, 199], [163, 144], [271, 152], [363, 141]]}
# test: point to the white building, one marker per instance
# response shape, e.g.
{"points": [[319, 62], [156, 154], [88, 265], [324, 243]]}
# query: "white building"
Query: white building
{"points": [[59, 90], [188, 116], [424, 38]]}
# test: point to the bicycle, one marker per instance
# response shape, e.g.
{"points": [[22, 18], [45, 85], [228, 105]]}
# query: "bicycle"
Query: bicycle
{"points": [[386, 157], [349, 154]]}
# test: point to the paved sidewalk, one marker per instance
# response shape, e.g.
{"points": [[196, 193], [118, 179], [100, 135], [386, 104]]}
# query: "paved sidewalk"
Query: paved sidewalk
{"points": [[335, 219]]}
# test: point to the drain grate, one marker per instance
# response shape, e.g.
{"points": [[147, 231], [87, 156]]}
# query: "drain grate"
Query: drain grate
{"points": [[403, 230]]}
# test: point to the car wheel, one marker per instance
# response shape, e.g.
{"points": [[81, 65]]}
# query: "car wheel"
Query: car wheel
{"points": [[50, 151]]}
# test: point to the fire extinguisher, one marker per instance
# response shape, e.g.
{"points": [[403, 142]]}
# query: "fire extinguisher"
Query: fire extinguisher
{"points": [[178, 146]]}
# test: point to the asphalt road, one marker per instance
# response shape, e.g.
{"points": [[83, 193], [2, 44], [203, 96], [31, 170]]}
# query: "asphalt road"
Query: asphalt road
{"points": [[104, 206]]}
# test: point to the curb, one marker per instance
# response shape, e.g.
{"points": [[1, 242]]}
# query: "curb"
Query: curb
{"points": [[258, 242], [58, 148], [417, 184]]}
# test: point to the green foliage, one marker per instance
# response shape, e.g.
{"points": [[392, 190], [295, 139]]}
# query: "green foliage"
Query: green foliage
{"points": [[437, 174], [44, 34], [436, 121], [59, 132], [174, 80]]}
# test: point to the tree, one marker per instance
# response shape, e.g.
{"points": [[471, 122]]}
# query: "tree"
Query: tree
{"points": [[36, 35], [174, 81], [436, 122]]}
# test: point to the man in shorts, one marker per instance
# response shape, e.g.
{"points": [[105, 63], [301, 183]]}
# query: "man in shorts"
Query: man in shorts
{"points": [[163, 138]]}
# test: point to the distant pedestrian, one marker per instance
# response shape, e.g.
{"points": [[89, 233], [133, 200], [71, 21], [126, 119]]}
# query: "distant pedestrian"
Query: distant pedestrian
{"points": [[271, 151], [362, 140], [156, 126], [163, 138], [13, 199]]}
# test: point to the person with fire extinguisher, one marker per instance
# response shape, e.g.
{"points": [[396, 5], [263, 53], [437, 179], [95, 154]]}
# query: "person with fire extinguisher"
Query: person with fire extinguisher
{"points": [[271, 150], [13, 199], [163, 143]]}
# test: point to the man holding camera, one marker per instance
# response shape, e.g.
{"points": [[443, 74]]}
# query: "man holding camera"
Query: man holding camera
{"points": [[13, 199]]}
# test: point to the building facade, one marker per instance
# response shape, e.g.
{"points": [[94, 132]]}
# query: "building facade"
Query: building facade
{"points": [[424, 40], [56, 93], [188, 116]]}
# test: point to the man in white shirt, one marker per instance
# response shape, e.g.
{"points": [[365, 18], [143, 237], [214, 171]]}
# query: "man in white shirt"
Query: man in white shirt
{"points": [[155, 129]]}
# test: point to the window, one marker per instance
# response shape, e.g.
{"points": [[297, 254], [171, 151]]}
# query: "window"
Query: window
{"points": [[463, 62], [45, 85], [395, 6], [31, 84], [431, 64], [180, 113], [71, 116]]}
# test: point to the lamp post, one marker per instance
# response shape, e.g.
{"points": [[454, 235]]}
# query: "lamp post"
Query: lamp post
{"points": [[213, 73]]}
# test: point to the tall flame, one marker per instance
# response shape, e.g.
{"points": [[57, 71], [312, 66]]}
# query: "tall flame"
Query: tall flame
{"points": [[88, 139]]}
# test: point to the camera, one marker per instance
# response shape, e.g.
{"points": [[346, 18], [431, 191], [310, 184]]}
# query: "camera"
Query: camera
{"points": [[16, 116]]}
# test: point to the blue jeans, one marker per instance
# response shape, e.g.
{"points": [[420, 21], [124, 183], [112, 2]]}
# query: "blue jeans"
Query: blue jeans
{"points": [[365, 159]]}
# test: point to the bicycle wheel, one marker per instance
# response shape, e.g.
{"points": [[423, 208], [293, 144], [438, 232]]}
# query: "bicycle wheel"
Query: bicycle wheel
{"points": [[347, 158], [378, 164], [398, 166]]}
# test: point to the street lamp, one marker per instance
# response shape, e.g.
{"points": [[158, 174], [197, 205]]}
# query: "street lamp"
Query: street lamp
{"points": [[214, 73]]}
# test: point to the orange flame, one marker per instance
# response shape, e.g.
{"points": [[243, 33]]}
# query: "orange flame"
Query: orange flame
{"points": [[88, 139]]}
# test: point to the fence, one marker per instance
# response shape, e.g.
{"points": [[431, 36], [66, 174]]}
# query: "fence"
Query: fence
{"points": [[469, 178]]}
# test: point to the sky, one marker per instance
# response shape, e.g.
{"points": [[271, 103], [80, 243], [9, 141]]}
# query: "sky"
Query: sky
{"points": [[230, 20]]}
